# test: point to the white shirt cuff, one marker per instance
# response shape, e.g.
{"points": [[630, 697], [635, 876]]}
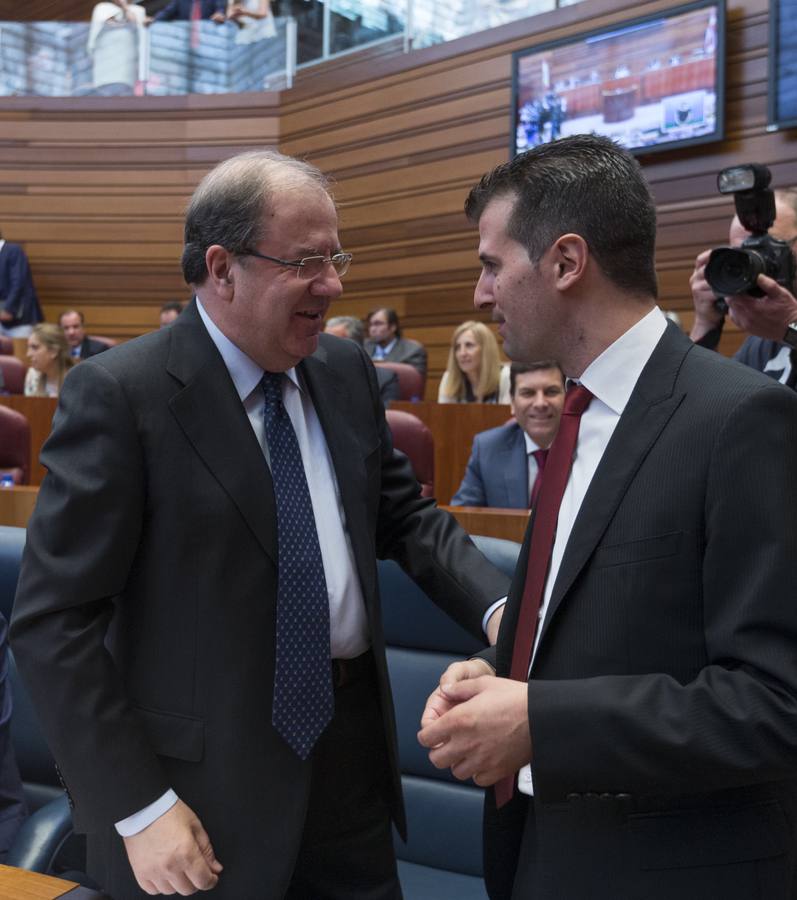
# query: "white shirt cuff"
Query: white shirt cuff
{"points": [[145, 817], [490, 611]]}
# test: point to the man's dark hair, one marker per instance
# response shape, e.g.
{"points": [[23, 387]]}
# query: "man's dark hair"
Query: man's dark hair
{"points": [[390, 314], [72, 312], [172, 306], [230, 204], [521, 368], [585, 185]]}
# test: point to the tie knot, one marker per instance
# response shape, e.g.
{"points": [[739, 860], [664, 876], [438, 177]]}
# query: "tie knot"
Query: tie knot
{"points": [[577, 399], [272, 387], [540, 456]]}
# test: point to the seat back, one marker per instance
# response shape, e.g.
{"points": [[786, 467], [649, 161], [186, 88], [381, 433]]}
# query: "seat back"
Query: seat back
{"points": [[414, 439], [111, 342], [6, 345], [34, 759], [411, 382], [13, 371], [14, 445], [443, 815]]}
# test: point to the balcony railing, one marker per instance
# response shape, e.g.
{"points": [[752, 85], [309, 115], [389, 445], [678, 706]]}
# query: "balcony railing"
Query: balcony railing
{"points": [[114, 57]]}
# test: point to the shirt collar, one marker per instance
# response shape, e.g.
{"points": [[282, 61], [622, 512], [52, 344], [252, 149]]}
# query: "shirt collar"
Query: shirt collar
{"points": [[388, 347], [246, 374], [530, 445], [612, 376]]}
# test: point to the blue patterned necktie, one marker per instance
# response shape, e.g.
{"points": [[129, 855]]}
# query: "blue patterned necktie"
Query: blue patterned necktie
{"points": [[303, 700]]}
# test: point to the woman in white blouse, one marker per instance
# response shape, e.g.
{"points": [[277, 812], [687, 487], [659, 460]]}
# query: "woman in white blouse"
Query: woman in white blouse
{"points": [[50, 360], [474, 373]]}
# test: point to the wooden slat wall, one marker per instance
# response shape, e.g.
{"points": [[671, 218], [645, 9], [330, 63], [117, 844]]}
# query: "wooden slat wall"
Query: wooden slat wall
{"points": [[95, 188]]}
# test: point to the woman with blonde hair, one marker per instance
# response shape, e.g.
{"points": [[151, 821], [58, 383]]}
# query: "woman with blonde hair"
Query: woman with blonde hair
{"points": [[50, 360], [474, 373]]}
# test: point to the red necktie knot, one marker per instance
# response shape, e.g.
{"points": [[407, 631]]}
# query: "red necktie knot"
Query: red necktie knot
{"points": [[577, 399]]}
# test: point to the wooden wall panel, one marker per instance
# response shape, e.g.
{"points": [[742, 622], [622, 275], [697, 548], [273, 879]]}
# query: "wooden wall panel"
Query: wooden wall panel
{"points": [[95, 187]]}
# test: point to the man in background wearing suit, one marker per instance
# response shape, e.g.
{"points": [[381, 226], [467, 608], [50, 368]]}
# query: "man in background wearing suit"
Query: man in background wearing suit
{"points": [[19, 303], [81, 346], [643, 745], [385, 343], [507, 463], [198, 615], [352, 328]]}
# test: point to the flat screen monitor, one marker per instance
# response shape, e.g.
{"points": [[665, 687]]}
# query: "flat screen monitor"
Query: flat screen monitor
{"points": [[782, 64], [649, 84]]}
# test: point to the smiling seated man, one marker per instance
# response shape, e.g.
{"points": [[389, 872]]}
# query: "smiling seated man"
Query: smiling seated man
{"points": [[506, 464]]}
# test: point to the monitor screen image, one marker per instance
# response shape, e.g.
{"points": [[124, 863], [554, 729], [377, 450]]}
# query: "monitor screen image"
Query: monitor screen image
{"points": [[647, 84], [782, 64]]}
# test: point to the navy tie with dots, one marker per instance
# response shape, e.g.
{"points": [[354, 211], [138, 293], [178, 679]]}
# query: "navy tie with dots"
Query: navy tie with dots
{"points": [[303, 699]]}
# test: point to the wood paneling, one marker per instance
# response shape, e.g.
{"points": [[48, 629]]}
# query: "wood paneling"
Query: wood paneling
{"points": [[95, 187]]}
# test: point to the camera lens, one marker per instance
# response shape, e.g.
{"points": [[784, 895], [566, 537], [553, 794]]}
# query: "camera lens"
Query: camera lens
{"points": [[734, 271]]}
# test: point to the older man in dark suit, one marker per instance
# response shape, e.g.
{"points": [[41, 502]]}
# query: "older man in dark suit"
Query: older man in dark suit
{"points": [[641, 728], [197, 615]]}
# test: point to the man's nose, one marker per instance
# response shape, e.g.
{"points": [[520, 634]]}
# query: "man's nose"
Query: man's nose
{"points": [[482, 299]]}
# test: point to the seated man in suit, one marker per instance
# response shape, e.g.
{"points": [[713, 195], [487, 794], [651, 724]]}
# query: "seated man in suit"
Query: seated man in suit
{"points": [[81, 346], [169, 312], [385, 343], [352, 328], [506, 464]]}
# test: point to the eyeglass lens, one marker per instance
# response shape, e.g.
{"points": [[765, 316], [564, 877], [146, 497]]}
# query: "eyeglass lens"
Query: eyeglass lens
{"points": [[314, 265]]}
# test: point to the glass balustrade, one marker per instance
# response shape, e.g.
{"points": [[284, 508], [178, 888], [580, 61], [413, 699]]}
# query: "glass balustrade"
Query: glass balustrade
{"points": [[109, 56]]}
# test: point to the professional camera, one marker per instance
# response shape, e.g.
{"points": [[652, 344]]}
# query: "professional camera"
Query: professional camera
{"points": [[735, 270]]}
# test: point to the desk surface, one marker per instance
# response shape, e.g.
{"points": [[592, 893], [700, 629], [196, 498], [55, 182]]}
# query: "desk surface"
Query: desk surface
{"points": [[19, 884]]}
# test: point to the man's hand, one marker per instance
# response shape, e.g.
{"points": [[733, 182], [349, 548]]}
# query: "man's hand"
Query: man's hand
{"points": [[5, 316], [438, 703], [767, 316], [173, 854], [707, 316], [494, 623], [485, 733], [218, 18]]}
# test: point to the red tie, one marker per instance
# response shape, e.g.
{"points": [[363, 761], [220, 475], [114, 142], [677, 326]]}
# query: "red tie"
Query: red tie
{"points": [[196, 18], [557, 471], [540, 456]]}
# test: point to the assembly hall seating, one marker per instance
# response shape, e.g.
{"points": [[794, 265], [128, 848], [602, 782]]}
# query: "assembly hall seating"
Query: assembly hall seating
{"points": [[14, 446], [442, 859]]}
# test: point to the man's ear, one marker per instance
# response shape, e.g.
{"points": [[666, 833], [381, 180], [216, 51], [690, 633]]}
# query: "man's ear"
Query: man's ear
{"points": [[570, 257], [219, 263]]}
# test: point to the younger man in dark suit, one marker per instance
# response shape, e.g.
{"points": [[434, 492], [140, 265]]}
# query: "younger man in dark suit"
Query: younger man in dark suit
{"points": [[198, 614], [641, 736]]}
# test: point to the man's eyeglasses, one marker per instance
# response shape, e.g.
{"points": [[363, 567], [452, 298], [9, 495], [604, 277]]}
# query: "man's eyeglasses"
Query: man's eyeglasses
{"points": [[308, 267]]}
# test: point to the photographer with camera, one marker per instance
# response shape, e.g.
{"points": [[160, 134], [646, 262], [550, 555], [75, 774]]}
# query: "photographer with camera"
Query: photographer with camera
{"points": [[753, 279]]}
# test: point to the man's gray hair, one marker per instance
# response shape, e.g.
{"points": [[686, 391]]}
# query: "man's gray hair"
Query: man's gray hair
{"points": [[231, 203], [354, 327]]}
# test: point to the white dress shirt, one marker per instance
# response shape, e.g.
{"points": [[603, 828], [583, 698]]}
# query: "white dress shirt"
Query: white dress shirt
{"points": [[347, 616], [611, 378]]}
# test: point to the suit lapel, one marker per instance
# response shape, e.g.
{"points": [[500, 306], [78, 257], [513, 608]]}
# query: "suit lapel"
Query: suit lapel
{"points": [[213, 419], [515, 467], [649, 408]]}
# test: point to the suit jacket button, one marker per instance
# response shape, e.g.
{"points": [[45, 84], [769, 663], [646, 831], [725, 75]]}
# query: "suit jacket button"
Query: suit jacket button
{"points": [[590, 795], [574, 798], [607, 796]]}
